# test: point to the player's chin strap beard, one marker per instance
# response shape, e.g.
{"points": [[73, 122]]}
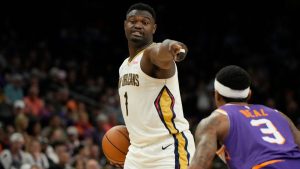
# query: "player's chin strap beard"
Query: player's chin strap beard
{"points": [[231, 93]]}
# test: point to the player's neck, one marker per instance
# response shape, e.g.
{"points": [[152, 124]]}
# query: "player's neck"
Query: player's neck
{"points": [[134, 49], [238, 103]]}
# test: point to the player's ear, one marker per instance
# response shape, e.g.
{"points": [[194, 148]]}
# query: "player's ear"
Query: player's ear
{"points": [[217, 95], [218, 99], [154, 28]]}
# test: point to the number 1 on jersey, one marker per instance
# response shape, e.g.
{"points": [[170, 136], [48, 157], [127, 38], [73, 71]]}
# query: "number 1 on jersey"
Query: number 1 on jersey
{"points": [[126, 102]]}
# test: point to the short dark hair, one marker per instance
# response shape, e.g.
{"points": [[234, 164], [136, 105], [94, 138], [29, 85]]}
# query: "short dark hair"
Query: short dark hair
{"points": [[143, 7], [235, 78]]}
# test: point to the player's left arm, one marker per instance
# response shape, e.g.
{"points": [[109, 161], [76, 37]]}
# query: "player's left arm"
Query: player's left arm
{"points": [[209, 132], [295, 131]]}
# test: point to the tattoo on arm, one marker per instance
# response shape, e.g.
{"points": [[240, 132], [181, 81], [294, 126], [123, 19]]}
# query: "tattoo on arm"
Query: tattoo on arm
{"points": [[206, 137]]}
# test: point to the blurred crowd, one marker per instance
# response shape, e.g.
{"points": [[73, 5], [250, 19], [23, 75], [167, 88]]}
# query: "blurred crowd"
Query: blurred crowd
{"points": [[49, 121], [58, 87]]}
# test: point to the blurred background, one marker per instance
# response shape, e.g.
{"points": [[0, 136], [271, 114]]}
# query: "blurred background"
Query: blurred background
{"points": [[59, 69]]}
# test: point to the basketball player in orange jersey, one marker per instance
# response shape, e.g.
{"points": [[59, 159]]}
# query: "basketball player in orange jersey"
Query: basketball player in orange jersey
{"points": [[253, 136], [150, 96]]}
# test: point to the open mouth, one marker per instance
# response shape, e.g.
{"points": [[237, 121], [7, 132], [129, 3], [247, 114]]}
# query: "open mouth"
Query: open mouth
{"points": [[136, 33]]}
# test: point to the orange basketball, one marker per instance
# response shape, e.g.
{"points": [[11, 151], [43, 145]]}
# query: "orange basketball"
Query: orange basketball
{"points": [[115, 144]]}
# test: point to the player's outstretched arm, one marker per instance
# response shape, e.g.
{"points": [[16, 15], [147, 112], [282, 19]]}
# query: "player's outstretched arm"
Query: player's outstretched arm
{"points": [[295, 131], [209, 132], [164, 54]]}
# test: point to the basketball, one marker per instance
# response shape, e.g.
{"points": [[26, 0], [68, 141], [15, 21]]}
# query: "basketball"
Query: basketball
{"points": [[115, 144]]}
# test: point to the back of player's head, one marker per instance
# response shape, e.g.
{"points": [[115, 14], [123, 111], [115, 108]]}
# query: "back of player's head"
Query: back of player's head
{"points": [[143, 7], [233, 82]]}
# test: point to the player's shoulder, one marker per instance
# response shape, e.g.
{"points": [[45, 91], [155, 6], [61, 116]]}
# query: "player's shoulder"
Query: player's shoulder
{"points": [[216, 119], [217, 122], [122, 66], [124, 62], [267, 108], [217, 116]]}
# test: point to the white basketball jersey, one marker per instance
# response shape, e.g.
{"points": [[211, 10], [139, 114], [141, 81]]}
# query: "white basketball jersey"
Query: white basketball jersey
{"points": [[151, 108]]}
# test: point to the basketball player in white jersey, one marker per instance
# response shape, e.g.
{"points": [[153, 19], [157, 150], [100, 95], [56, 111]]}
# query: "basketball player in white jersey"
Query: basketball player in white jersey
{"points": [[150, 97]]}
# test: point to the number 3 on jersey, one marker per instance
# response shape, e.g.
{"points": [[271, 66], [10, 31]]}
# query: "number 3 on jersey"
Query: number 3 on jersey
{"points": [[126, 103], [268, 130]]}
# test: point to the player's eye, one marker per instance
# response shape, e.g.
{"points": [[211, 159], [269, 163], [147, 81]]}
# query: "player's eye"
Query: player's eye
{"points": [[146, 22], [132, 21]]}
